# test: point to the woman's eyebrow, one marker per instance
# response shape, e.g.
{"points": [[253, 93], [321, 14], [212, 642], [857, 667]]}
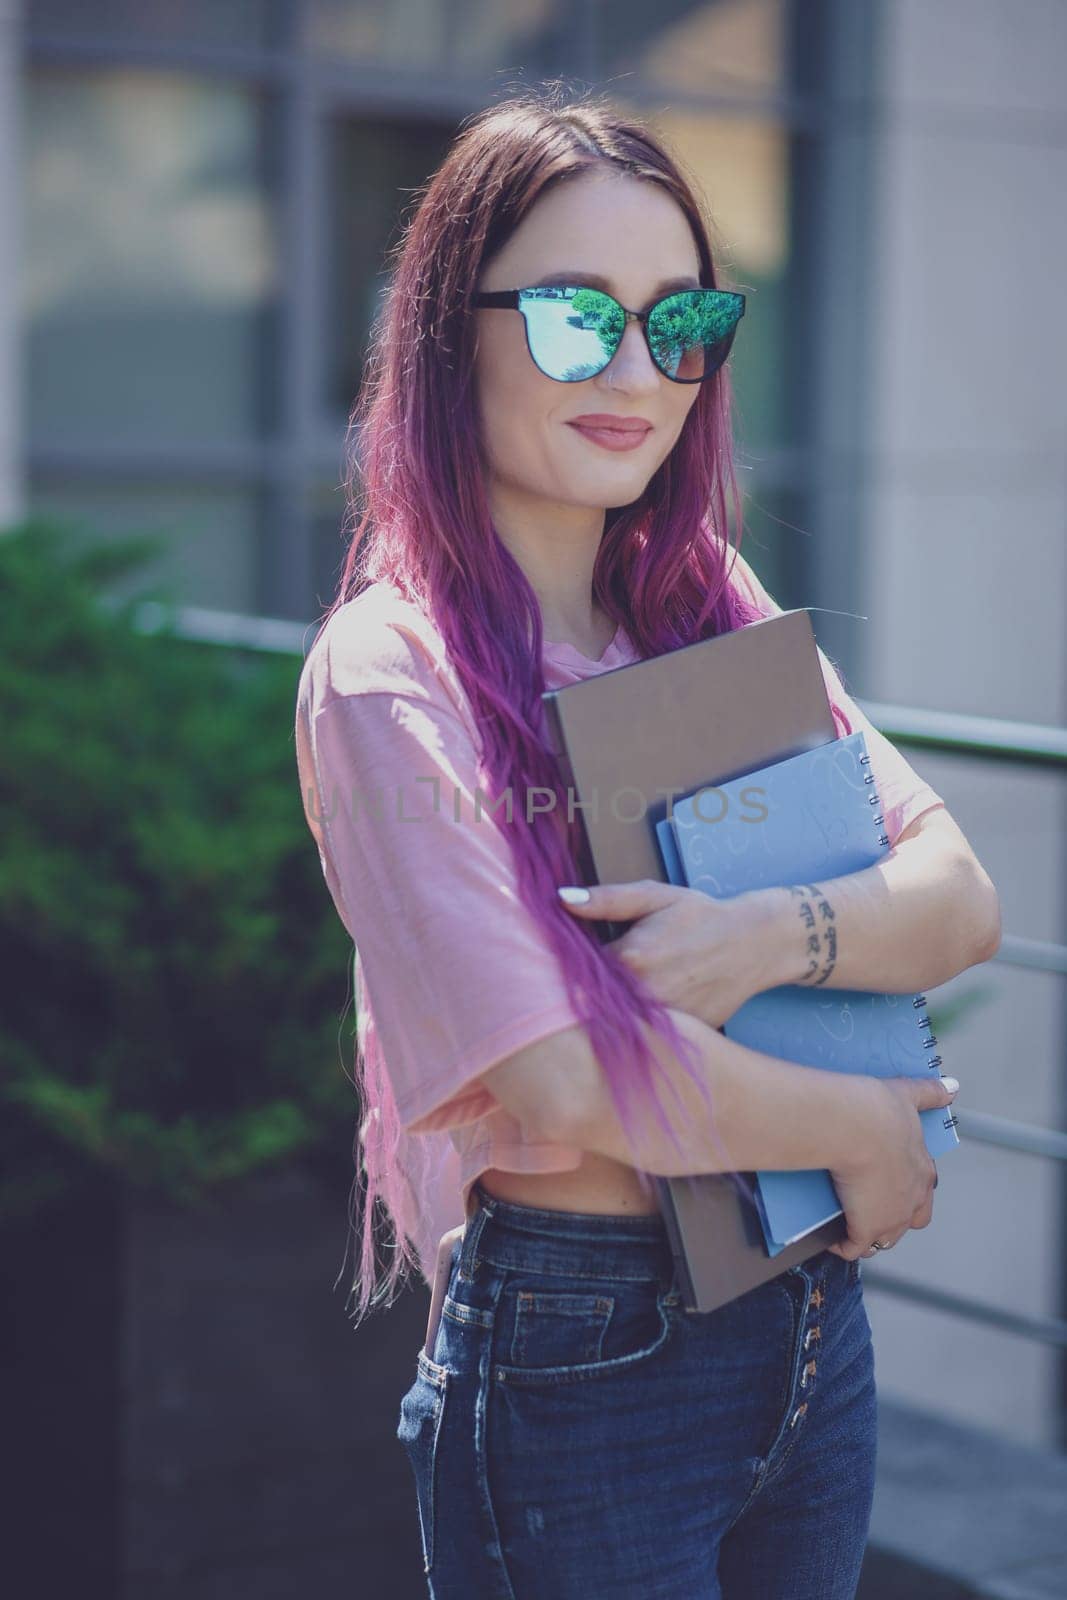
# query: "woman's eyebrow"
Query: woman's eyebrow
{"points": [[593, 280]]}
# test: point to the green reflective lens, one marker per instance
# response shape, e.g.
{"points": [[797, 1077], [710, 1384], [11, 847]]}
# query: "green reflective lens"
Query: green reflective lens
{"points": [[573, 331], [690, 333]]}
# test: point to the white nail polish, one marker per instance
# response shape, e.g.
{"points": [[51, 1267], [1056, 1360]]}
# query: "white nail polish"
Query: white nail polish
{"points": [[573, 897]]}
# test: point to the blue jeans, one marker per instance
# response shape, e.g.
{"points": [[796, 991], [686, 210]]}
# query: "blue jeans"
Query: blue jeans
{"points": [[579, 1433]]}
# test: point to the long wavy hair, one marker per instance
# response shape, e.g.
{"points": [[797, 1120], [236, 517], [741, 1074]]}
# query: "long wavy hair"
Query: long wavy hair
{"points": [[418, 515]]}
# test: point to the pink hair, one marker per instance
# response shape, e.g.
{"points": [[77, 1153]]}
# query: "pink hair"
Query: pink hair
{"points": [[425, 526]]}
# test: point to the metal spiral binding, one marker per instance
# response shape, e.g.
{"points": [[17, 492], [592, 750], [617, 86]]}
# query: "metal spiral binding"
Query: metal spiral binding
{"points": [[872, 799], [934, 1062], [930, 1041]]}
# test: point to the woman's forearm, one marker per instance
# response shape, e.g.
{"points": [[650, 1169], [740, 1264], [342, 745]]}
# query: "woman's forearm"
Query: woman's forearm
{"points": [[767, 1112], [911, 921]]}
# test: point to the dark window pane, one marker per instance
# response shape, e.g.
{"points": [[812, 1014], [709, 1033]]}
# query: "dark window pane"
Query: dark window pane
{"points": [[776, 541], [211, 536], [462, 37], [254, 23], [373, 166], [150, 257], [722, 46], [329, 545]]}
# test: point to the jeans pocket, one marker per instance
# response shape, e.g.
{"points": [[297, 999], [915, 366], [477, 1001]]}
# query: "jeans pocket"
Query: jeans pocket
{"points": [[550, 1331], [422, 1410], [551, 1328]]}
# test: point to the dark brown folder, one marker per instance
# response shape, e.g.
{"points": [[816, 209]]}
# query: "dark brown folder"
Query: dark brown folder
{"points": [[626, 741]]}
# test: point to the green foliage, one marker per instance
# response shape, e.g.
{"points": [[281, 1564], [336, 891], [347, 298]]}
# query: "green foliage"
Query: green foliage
{"points": [[601, 314], [174, 971]]}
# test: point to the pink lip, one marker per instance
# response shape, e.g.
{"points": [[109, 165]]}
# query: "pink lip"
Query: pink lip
{"points": [[604, 419], [612, 433]]}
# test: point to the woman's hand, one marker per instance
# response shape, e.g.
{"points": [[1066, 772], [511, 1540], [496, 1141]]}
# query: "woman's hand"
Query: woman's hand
{"points": [[696, 953], [889, 1185]]}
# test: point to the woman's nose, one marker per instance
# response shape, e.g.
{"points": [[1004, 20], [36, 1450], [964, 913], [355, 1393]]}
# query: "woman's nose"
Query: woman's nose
{"points": [[632, 362]]}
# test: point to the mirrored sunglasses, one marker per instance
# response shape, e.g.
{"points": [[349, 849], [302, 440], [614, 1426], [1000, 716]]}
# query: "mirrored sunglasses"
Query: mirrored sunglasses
{"points": [[573, 331]]}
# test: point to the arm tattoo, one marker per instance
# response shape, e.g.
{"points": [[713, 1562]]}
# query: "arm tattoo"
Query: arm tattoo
{"points": [[817, 915]]}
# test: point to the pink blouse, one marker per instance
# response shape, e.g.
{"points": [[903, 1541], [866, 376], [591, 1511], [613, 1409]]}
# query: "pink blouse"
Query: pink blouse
{"points": [[450, 969]]}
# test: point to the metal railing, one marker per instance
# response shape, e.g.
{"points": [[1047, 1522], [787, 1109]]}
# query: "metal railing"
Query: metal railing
{"points": [[987, 738], [1019, 744]]}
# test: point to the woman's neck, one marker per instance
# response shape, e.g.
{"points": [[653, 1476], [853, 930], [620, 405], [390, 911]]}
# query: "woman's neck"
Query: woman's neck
{"points": [[557, 558]]}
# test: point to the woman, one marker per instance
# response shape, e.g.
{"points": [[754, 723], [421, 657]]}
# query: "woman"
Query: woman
{"points": [[573, 1430]]}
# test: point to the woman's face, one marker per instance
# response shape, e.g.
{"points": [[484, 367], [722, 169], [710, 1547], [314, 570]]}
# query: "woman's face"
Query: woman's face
{"points": [[634, 236]]}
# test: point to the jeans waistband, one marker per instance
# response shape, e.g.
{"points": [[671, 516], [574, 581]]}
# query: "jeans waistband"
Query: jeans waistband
{"points": [[572, 1243]]}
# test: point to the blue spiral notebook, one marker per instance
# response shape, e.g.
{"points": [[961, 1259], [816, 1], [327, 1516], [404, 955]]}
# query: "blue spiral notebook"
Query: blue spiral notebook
{"points": [[812, 817]]}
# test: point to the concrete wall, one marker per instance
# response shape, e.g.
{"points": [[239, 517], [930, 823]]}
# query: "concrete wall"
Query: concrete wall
{"points": [[967, 574]]}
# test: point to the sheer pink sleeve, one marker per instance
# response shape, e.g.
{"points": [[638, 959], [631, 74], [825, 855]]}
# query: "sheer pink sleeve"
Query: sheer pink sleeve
{"points": [[457, 972]]}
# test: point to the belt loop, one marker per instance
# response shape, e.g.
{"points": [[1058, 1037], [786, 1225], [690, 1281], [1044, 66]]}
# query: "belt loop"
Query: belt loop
{"points": [[472, 1233]]}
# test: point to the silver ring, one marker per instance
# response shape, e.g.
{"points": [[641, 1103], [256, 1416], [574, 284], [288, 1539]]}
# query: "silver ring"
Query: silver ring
{"points": [[876, 1246]]}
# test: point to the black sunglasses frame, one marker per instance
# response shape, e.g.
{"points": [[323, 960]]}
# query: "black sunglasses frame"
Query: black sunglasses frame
{"points": [[508, 300]]}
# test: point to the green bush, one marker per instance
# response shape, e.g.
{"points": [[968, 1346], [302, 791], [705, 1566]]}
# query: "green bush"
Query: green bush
{"points": [[175, 977]]}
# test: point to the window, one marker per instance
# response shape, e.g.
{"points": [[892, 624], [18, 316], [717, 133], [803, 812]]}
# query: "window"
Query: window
{"points": [[150, 262], [373, 165], [211, 192]]}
